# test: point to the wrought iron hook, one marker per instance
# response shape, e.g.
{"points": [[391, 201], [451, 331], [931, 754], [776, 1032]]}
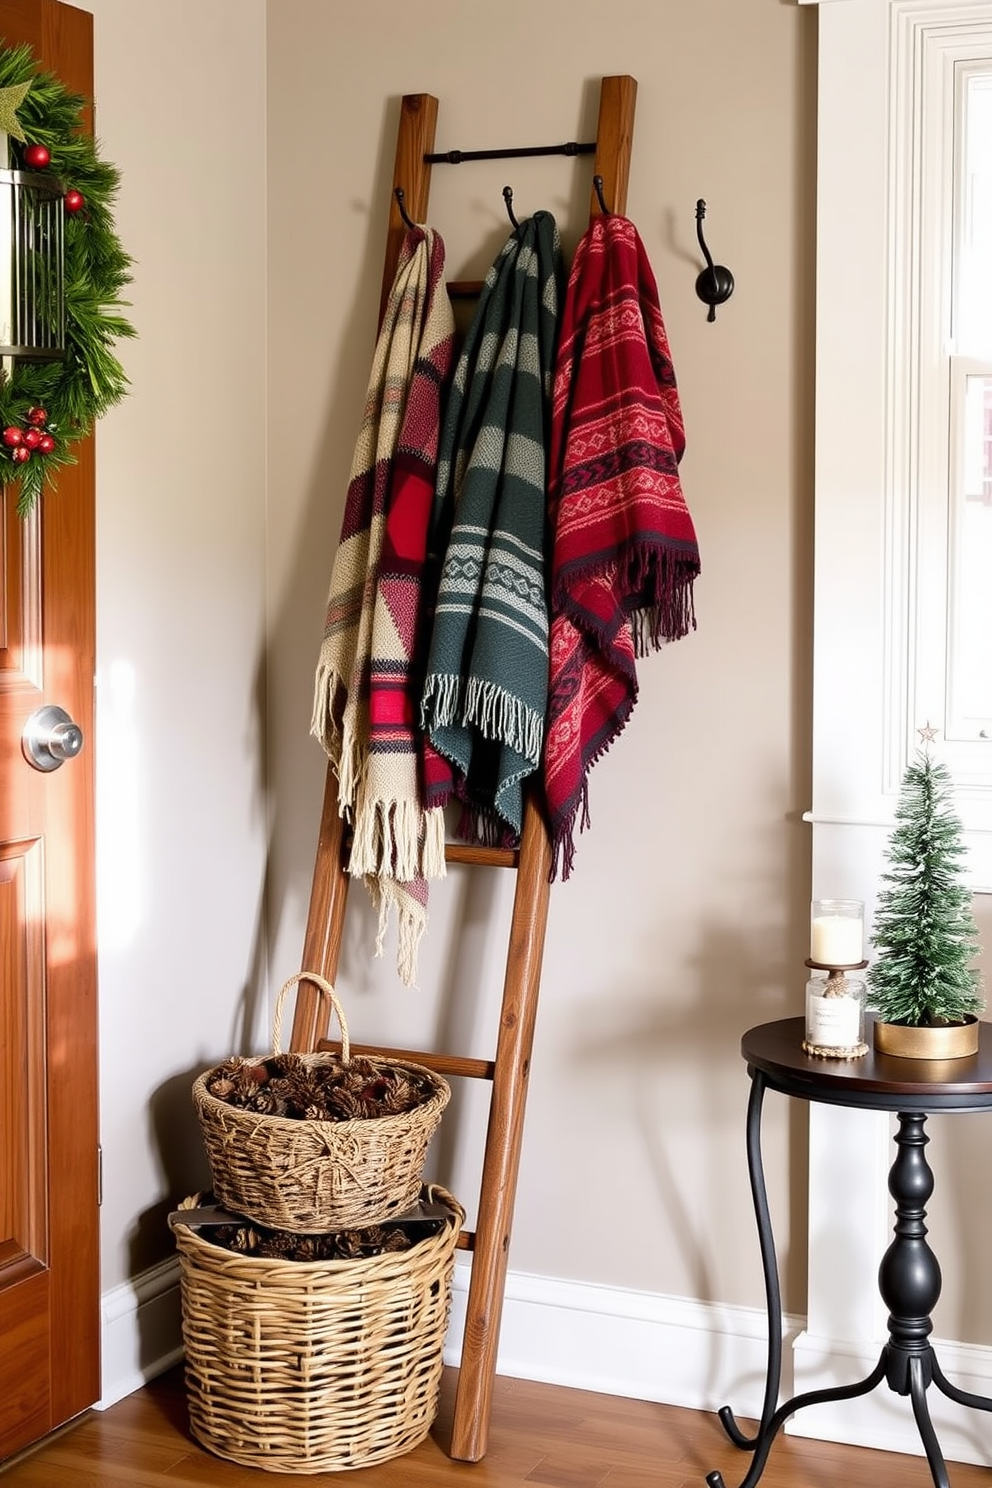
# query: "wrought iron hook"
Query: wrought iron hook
{"points": [[508, 198], [716, 283], [597, 182], [400, 198]]}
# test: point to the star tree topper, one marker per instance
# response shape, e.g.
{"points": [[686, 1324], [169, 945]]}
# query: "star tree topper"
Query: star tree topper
{"points": [[10, 101]]}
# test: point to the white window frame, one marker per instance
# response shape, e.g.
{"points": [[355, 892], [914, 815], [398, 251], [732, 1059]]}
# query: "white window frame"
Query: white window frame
{"points": [[879, 663]]}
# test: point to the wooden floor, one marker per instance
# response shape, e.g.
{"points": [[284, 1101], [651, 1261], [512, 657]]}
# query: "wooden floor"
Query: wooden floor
{"points": [[540, 1435]]}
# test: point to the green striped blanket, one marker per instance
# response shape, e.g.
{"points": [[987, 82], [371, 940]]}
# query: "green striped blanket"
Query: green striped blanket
{"points": [[486, 686]]}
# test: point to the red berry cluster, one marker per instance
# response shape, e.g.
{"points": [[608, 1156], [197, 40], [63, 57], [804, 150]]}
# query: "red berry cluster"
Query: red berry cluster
{"points": [[34, 438]]}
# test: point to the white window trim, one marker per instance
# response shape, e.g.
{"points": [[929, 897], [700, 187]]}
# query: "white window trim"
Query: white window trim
{"points": [[880, 606]]}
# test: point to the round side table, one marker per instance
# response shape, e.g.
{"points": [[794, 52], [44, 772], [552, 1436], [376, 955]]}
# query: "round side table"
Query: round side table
{"points": [[909, 1275]]}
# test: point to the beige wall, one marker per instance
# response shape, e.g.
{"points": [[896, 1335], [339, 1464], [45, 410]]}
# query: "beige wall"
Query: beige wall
{"points": [[181, 534], [685, 920]]}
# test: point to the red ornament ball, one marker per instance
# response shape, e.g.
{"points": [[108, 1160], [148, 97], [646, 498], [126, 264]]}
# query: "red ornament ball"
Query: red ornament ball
{"points": [[20, 454], [74, 201], [12, 436], [32, 438], [37, 416], [37, 156], [46, 444]]}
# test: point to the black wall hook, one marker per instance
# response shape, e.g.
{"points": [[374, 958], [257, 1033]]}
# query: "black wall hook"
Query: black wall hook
{"points": [[715, 284], [400, 196], [508, 198], [597, 182]]}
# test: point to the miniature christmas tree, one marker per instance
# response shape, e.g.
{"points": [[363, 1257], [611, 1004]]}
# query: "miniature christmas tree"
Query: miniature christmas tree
{"points": [[924, 929]]}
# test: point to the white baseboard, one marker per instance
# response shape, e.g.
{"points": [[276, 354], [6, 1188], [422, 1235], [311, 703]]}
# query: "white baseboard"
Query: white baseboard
{"points": [[617, 1342], [635, 1344], [141, 1331]]}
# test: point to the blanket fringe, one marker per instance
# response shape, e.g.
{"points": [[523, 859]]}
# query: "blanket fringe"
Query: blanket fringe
{"points": [[441, 702], [497, 714], [658, 586], [432, 861], [396, 839], [484, 827], [665, 582], [327, 726], [563, 841], [325, 720], [411, 925], [451, 702]]}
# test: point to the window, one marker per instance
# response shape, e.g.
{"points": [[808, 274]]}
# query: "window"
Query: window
{"points": [[969, 652], [969, 595], [941, 412]]}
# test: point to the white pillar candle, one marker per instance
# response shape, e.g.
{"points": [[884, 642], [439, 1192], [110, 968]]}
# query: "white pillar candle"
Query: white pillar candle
{"points": [[836, 936], [835, 940]]}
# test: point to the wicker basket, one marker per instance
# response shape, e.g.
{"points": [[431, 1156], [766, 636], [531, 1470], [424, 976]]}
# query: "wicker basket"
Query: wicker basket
{"points": [[315, 1366], [310, 1177]]}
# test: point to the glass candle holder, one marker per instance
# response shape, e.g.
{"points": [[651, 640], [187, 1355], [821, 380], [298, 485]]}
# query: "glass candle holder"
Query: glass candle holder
{"points": [[837, 932], [835, 1017]]}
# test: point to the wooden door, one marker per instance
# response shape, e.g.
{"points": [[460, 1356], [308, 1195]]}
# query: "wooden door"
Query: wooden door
{"points": [[49, 1217]]}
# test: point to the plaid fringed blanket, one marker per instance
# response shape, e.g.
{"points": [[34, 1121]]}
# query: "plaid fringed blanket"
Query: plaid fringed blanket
{"points": [[371, 661], [624, 552], [485, 693]]}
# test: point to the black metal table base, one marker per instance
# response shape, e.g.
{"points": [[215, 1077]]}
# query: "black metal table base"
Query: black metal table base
{"points": [[909, 1282]]}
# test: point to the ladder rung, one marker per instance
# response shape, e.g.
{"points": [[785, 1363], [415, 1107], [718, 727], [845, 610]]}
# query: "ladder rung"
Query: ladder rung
{"points": [[441, 1064], [484, 857], [466, 1240], [464, 289]]}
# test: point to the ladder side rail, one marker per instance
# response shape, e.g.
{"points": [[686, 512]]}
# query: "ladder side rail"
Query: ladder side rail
{"points": [[504, 1138], [325, 919], [614, 139]]}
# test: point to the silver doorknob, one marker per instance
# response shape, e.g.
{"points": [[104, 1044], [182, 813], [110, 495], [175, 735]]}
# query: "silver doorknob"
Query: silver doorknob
{"points": [[50, 738]]}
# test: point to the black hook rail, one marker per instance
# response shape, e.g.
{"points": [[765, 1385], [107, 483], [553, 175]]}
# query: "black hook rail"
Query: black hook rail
{"points": [[455, 157], [716, 283]]}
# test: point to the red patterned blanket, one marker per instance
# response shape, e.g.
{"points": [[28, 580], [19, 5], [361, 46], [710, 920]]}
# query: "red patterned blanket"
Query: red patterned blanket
{"points": [[624, 555]]}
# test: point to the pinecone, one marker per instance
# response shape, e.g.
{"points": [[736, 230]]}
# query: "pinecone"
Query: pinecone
{"points": [[396, 1239], [306, 1248], [286, 1066], [344, 1105], [307, 1099], [223, 1080], [276, 1245], [264, 1103], [239, 1238]]}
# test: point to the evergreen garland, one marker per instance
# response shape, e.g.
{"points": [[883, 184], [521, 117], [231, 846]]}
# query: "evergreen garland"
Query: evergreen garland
{"points": [[924, 929], [88, 380]]}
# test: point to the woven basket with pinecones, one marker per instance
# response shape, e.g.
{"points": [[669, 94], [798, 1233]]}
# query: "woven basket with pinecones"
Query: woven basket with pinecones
{"points": [[317, 1142]]}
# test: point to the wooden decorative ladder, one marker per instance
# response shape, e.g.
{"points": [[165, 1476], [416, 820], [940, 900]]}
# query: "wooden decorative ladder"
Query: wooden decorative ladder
{"points": [[508, 1070]]}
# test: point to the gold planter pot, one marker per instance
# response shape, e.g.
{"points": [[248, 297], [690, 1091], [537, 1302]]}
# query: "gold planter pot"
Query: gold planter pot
{"points": [[954, 1041]]}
